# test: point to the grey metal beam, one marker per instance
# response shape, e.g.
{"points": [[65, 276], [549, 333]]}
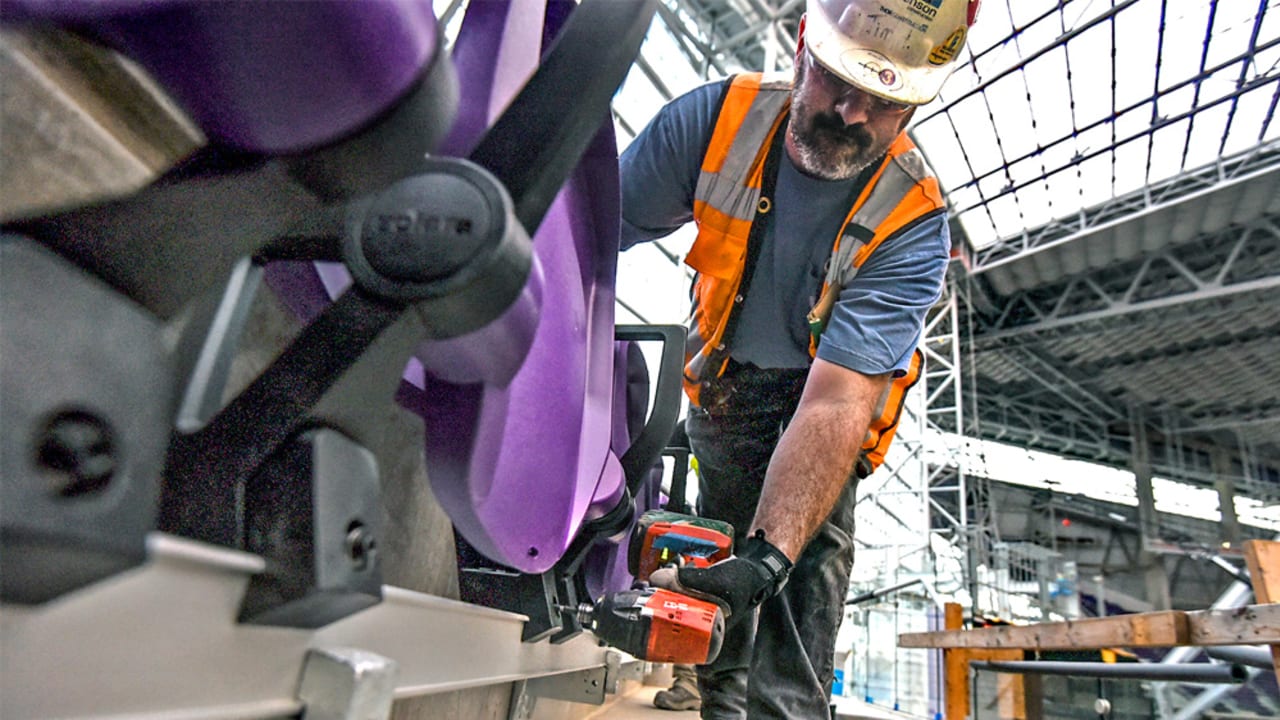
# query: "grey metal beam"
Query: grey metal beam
{"points": [[1055, 313], [654, 77], [1190, 673], [683, 34], [1044, 371], [1049, 430], [1229, 423], [1156, 578], [1251, 655], [162, 641], [1120, 308], [1205, 701], [1042, 429], [753, 21]]}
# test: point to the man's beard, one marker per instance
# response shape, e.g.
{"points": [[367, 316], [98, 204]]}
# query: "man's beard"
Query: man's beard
{"points": [[827, 148]]}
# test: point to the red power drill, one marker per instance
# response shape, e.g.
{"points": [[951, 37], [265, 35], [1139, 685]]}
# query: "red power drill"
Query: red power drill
{"points": [[656, 624]]}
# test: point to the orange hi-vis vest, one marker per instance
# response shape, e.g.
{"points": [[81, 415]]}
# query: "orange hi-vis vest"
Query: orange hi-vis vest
{"points": [[733, 196]]}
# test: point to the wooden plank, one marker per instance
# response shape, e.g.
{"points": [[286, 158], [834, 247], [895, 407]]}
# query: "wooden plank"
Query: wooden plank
{"points": [[1263, 559], [80, 122], [1010, 697], [956, 668], [1158, 629], [1249, 625], [985, 654]]}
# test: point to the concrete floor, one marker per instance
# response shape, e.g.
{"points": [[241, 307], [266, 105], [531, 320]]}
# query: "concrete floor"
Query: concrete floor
{"points": [[638, 705]]}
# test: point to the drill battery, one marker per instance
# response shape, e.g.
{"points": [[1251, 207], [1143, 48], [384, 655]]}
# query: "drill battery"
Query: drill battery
{"points": [[661, 537]]}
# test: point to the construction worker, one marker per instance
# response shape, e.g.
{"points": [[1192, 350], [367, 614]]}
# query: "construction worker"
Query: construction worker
{"points": [[822, 241]]}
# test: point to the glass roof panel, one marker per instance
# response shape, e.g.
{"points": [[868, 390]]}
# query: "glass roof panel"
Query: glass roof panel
{"points": [[1062, 106]]}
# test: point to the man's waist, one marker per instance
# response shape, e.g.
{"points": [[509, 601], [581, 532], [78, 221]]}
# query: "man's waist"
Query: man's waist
{"points": [[745, 387], [736, 368]]}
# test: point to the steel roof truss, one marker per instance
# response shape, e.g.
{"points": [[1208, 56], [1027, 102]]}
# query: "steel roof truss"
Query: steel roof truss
{"points": [[1058, 383], [1249, 263]]}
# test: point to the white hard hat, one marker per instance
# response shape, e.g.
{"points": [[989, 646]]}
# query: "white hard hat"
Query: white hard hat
{"points": [[901, 50]]}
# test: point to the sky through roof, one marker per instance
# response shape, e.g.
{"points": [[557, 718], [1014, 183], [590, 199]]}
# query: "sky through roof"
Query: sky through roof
{"points": [[1065, 106]]}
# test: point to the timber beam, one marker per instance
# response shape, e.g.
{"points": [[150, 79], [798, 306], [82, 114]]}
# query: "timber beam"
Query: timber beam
{"points": [[1250, 625], [1263, 559], [1253, 624]]}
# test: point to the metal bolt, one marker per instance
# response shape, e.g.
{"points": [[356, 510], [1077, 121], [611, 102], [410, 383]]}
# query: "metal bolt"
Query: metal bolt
{"points": [[360, 545], [78, 450]]}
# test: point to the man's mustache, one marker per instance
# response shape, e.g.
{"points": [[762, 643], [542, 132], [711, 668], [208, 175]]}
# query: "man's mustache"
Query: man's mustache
{"points": [[831, 124]]}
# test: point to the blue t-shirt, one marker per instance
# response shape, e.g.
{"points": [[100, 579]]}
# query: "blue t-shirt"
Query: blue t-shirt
{"points": [[878, 318]]}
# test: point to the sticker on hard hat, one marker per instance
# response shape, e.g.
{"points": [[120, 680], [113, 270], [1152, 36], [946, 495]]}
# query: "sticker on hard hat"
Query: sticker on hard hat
{"points": [[946, 52], [875, 69], [899, 17], [927, 9]]}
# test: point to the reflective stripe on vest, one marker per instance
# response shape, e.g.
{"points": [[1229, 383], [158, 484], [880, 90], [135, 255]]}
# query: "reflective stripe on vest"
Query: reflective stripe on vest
{"points": [[902, 191], [727, 200]]}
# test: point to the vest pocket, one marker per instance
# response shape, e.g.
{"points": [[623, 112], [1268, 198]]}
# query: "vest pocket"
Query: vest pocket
{"points": [[719, 251]]}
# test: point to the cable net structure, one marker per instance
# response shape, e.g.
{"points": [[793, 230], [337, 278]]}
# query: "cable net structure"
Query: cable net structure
{"points": [[1064, 109]]}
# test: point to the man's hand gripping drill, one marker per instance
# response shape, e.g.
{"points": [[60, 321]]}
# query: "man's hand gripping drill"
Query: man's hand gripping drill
{"points": [[695, 585], [736, 584]]}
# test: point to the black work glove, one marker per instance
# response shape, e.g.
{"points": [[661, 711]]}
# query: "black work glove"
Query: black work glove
{"points": [[737, 584]]}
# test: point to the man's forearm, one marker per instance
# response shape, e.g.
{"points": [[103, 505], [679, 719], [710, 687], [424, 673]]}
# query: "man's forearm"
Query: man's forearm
{"points": [[815, 456]]}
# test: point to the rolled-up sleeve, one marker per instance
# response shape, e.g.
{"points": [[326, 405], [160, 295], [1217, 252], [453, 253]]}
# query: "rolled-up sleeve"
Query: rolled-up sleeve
{"points": [[876, 323]]}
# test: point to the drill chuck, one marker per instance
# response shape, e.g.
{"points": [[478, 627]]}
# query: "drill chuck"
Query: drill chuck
{"points": [[583, 612]]}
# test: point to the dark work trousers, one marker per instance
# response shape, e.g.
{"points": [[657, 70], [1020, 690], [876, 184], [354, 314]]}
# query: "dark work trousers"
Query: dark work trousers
{"points": [[781, 665]]}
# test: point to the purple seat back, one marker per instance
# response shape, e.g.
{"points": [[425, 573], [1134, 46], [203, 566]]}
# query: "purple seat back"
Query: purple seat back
{"points": [[520, 415], [535, 459], [605, 567]]}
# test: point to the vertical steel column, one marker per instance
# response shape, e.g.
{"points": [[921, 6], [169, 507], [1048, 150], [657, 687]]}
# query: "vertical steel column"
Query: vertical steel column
{"points": [[1157, 580], [944, 458], [927, 458], [1225, 483], [899, 505], [771, 51]]}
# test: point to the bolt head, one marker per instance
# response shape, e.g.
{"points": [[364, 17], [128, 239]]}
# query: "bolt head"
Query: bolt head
{"points": [[76, 450], [361, 545]]}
